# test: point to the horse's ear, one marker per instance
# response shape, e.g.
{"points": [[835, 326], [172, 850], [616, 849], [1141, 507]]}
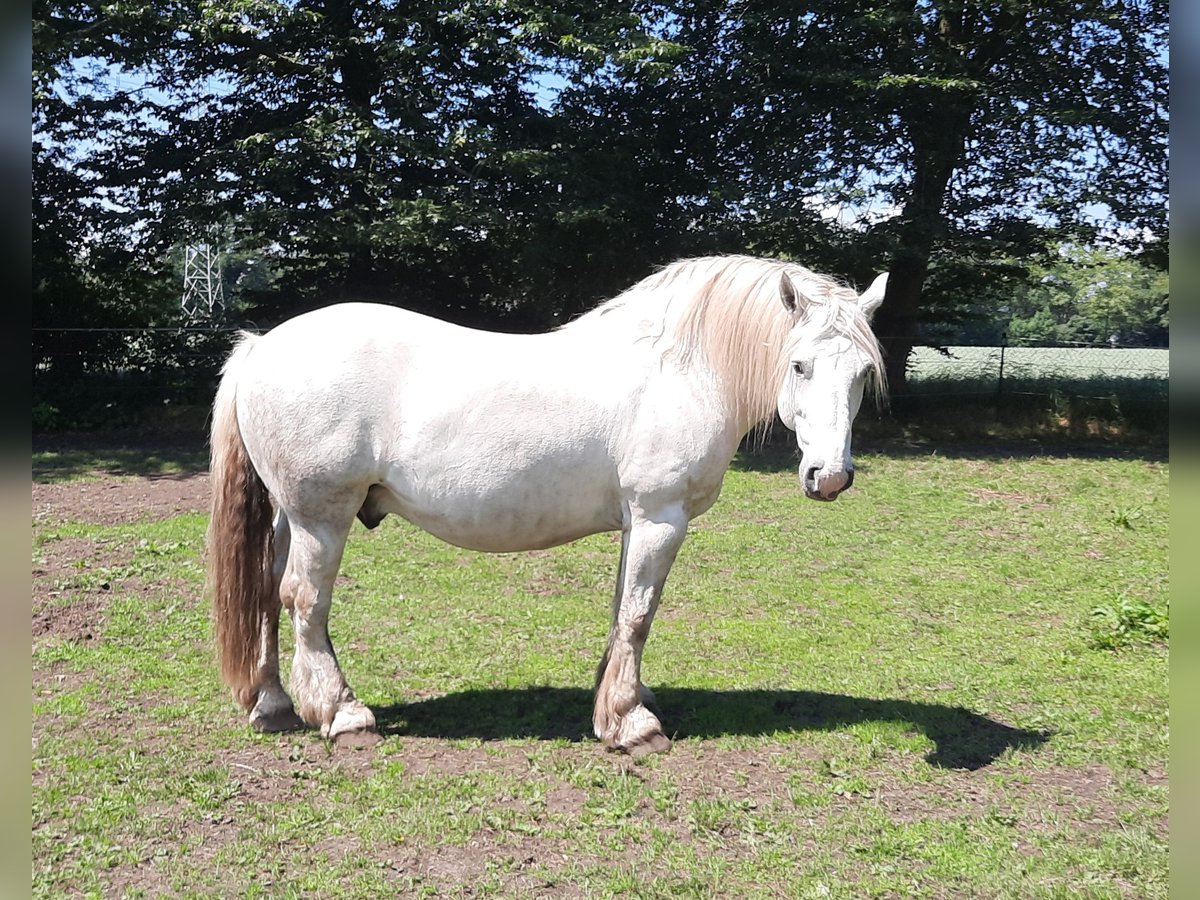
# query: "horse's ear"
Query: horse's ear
{"points": [[787, 293], [869, 300]]}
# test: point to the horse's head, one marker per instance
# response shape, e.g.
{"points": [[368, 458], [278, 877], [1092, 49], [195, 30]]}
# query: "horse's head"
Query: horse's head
{"points": [[821, 393]]}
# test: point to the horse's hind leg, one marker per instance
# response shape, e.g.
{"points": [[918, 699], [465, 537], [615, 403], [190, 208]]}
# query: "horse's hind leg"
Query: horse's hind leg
{"points": [[273, 710], [324, 698], [621, 718]]}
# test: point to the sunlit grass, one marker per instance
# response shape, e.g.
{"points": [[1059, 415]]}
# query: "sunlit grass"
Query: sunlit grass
{"points": [[900, 693]]}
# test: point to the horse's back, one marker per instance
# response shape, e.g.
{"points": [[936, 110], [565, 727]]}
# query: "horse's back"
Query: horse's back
{"points": [[349, 340]]}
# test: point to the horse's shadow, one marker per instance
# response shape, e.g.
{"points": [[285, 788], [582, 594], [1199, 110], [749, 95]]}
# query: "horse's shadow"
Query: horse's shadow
{"points": [[962, 739]]}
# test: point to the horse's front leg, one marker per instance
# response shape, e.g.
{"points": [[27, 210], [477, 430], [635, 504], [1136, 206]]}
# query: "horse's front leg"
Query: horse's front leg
{"points": [[621, 718]]}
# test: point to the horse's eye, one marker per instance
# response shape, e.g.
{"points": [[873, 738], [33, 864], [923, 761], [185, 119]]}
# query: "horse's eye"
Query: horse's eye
{"points": [[800, 368]]}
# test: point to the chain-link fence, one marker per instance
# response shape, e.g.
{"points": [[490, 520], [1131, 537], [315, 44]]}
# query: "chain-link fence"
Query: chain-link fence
{"points": [[108, 377], [1012, 370], [1105, 382]]}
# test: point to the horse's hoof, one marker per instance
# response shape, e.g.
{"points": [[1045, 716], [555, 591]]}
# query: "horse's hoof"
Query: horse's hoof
{"points": [[353, 725], [280, 720], [274, 712], [358, 739], [656, 742]]}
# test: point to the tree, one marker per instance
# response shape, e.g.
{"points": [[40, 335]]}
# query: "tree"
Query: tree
{"points": [[381, 151], [510, 162], [972, 123], [89, 268], [1092, 296]]}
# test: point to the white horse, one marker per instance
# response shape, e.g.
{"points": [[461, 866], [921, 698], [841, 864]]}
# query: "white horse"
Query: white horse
{"points": [[625, 420]]}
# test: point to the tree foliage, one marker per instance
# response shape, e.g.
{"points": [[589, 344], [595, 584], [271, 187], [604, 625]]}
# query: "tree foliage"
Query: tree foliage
{"points": [[971, 127], [509, 163], [1091, 296]]}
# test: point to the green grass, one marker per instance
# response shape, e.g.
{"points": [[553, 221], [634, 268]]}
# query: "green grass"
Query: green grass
{"points": [[909, 692]]}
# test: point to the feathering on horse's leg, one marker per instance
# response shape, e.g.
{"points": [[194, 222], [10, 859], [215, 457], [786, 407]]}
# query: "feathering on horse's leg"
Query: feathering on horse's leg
{"points": [[325, 699], [646, 695], [273, 711], [622, 719]]}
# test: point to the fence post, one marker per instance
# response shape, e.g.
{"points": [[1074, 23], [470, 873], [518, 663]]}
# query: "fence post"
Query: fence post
{"points": [[1000, 377]]}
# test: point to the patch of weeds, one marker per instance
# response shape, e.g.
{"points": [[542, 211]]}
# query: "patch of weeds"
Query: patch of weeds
{"points": [[158, 548], [844, 782], [854, 786], [100, 579], [1125, 622], [41, 538], [209, 789], [68, 704], [665, 797], [1125, 518], [804, 796]]}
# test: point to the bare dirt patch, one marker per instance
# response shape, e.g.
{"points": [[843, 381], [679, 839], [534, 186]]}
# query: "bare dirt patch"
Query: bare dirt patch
{"points": [[117, 500], [69, 587], [73, 577], [78, 621]]}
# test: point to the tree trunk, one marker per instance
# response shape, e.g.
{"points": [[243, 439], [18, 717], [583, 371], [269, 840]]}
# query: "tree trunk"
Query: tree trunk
{"points": [[358, 64], [896, 321], [920, 225]]}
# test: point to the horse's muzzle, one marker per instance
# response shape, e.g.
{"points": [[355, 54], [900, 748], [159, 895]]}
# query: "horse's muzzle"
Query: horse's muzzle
{"points": [[827, 488]]}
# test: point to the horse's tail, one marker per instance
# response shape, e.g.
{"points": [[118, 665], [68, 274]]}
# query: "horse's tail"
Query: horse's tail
{"points": [[240, 541]]}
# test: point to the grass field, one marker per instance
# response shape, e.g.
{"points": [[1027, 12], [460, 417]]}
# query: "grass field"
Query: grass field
{"points": [[952, 682], [1067, 363]]}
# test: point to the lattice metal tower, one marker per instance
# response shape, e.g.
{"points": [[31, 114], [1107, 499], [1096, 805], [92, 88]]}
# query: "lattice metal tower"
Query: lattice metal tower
{"points": [[203, 293]]}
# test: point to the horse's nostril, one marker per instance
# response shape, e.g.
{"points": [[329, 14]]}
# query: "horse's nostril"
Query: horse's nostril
{"points": [[810, 475]]}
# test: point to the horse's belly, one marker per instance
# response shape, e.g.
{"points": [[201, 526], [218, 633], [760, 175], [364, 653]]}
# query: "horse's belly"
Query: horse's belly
{"points": [[519, 514], [509, 534]]}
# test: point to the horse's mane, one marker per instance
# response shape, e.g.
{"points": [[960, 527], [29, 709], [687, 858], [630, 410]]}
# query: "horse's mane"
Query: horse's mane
{"points": [[727, 312]]}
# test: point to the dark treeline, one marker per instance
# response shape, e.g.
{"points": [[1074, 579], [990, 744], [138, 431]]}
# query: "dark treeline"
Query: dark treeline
{"points": [[509, 163]]}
